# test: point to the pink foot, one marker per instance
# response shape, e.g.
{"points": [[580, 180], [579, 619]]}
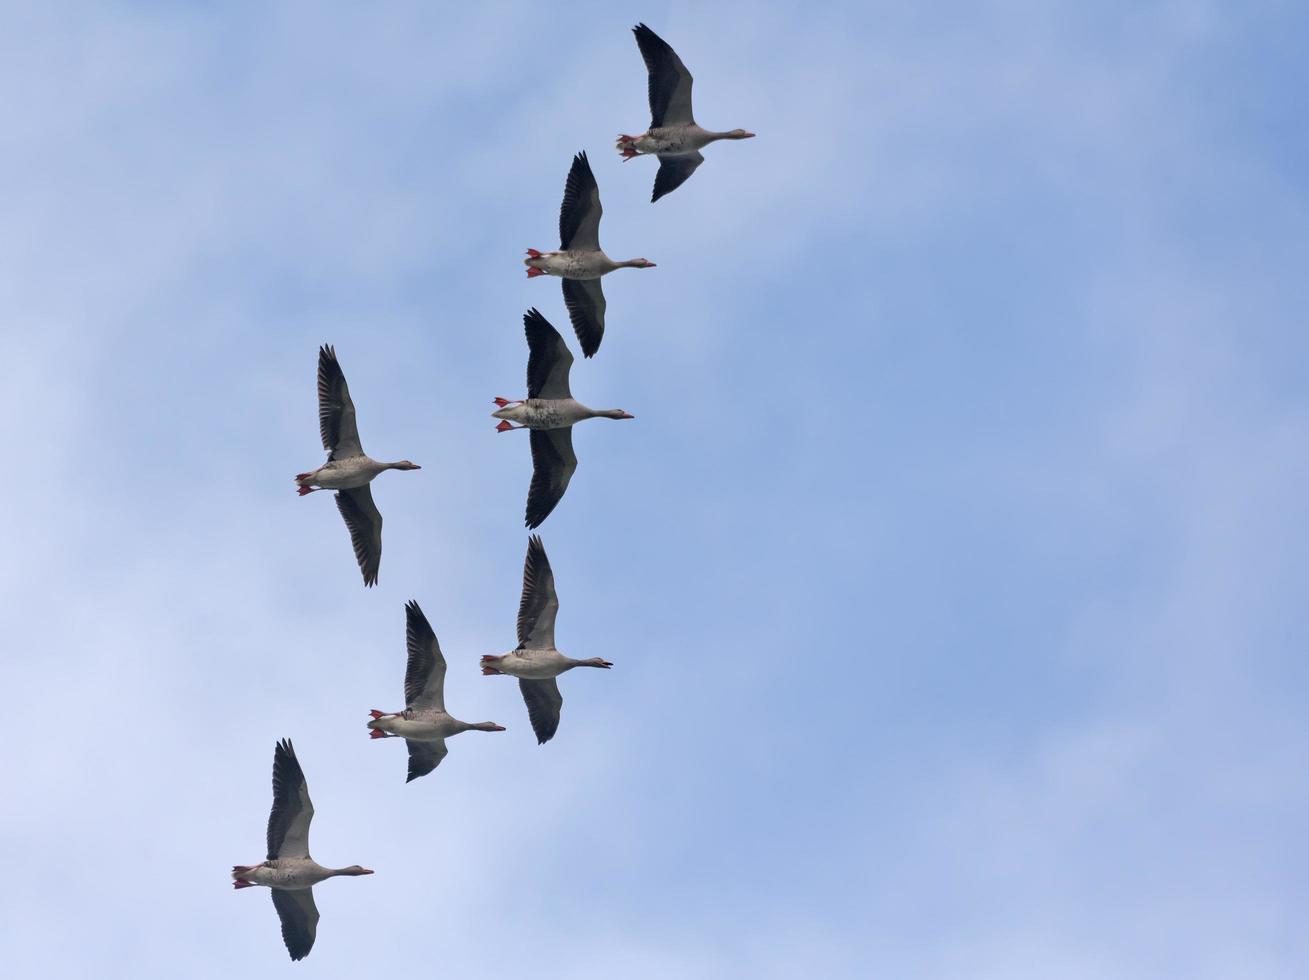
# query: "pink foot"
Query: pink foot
{"points": [[376, 714], [533, 253], [304, 490], [488, 671], [505, 427], [533, 273], [376, 734], [242, 883], [629, 154], [301, 476], [502, 402]]}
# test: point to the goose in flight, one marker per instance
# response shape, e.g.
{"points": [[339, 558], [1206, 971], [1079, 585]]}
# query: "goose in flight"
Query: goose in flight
{"points": [[347, 470], [535, 662], [673, 135], [289, 872], [424, 723], [550, 412], [579, 261]]}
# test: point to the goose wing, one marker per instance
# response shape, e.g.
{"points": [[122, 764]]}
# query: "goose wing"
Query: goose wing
{"points": [[674, 171], [539, 605], [288, 821], [364, 523], [549, 360], [299, 915], [424, 757], [336, 412], [425, 670], [553, 463], [586, 308], [579, 215], [543, 702], [670, 82]]}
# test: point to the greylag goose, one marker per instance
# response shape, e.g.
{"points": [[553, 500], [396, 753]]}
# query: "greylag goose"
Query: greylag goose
{"points": [[536, 663], [579, 260], [347, 470], [550, 411], [289, 871], [424, 723], [673, 135]]}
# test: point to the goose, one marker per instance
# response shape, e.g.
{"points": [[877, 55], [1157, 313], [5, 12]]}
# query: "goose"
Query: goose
{"points": [[424, 723], [347, 470], [290, 872], [535, 662], [673, 135], [579, 261], [550, 412]]}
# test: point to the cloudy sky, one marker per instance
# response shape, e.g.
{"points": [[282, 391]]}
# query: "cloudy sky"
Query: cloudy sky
{"points": [[954, 570]]}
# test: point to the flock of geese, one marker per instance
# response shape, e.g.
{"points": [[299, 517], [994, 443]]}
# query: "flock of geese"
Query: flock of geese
{"points": [[549, 413]]}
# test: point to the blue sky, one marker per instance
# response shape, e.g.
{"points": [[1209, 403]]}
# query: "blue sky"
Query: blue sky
{"points": [[953, 570]]}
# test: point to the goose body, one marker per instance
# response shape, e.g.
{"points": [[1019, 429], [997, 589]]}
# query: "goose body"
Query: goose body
{"points": [[289, 871], [572, 265], [424, 724], [535, 661], [674, 136], [348, 470], [579, 261], [343, 474], [550, 411]]}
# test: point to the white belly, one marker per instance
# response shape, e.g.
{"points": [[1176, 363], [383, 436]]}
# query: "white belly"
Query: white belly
{"points": [[535, 665], [287, 873], [345, 474], [423, 728]]}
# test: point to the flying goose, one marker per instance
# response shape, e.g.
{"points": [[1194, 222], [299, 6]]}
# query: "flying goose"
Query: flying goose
{"points": [[289, 871], [550, 411], [535, 662], [424, 723], [673, 135], [579, 260], [347, 470]]}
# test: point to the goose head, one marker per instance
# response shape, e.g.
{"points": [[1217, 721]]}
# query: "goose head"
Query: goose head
{"points": [[404, 464]]}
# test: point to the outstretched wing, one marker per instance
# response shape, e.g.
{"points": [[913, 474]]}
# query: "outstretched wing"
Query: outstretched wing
{"points": [[586, 308], [288, 821], [336, 412], [553, 463], [299, 915], [674, 171], [425, 670], [579, 215], [543, 702], [549, 359], [539, 605], [364, 523], [670, 82], [424, 757]]}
